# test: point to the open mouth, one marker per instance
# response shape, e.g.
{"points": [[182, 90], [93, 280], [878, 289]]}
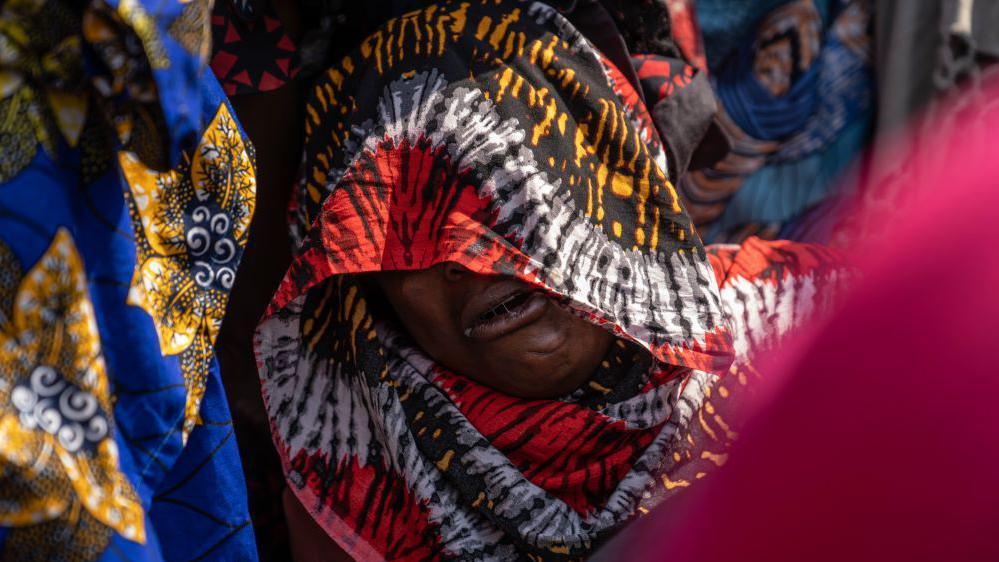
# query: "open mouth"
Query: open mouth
{"points": [[510, 313]]}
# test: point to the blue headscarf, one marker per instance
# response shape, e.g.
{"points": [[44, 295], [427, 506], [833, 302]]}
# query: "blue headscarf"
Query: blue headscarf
{"points": [[794, 83]]}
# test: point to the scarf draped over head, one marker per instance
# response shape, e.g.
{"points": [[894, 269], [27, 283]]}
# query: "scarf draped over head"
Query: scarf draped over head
{"points": [[493, 135], [795, 89]]}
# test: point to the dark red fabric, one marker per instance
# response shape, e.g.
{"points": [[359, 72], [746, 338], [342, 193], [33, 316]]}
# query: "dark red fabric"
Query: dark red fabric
{"points": [[686, 31], [250, 52], [398, 526], [660, 76], [577, 454]]}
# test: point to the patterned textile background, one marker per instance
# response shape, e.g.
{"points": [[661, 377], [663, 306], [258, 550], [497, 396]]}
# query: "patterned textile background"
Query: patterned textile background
{"points": [[251, 51], [126, 191], [795, 86]]}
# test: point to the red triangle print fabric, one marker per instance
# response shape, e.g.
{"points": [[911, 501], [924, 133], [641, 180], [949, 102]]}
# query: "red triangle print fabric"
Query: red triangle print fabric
{"points": [[251, 50]]}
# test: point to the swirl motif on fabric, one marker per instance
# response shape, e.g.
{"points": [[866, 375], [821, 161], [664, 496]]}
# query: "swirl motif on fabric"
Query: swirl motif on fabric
{"points": [[60, 459], [191, 227]]}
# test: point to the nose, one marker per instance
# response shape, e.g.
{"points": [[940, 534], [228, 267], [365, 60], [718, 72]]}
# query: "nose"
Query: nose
{"points": [[455, 272]]}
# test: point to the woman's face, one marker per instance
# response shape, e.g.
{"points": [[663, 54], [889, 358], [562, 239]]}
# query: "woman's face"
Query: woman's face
{"points": [[498, 331]]}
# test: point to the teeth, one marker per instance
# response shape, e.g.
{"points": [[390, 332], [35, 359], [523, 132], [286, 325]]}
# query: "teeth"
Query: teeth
{"points": [[501, 308], [504, 307], [514, 301]]}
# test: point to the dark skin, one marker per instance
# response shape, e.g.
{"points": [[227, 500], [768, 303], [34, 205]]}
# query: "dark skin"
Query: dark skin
{"points": [[545, 352], [537, 349], [309, 542]]}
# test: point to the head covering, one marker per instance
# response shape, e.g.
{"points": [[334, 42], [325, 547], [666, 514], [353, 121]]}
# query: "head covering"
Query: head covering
{"points": [[794, 83], [493, 135]]}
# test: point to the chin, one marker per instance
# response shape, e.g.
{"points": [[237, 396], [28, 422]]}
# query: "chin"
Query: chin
{"points": [[548, 359], [552, 377], [549, 336]]}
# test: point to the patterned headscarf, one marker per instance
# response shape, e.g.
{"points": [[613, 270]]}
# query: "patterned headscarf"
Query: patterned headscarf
{"points": [[493, 135]]}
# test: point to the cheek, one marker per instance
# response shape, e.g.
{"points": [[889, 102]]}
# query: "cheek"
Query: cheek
{"points": [[426, 310], [420, 305], [588, 344], [588, 332], [549, 335]]}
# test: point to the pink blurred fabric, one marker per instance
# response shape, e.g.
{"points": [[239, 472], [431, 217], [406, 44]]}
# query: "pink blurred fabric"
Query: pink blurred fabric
{"points": [[877, 437]]}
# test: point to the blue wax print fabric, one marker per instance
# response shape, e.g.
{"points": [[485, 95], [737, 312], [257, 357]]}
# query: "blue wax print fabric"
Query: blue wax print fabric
{"points": [[794, 83], [126, 193]]}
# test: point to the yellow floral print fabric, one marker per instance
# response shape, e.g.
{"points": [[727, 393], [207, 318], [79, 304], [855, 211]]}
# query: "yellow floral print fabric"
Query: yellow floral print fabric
{"points": [[126, 191], [41, 92], [190, 226], [59, 462]]}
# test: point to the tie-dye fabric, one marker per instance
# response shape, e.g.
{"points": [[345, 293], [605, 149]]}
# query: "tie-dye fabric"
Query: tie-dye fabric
{"points": [[126, 190], [493, 135], [686, 31]]}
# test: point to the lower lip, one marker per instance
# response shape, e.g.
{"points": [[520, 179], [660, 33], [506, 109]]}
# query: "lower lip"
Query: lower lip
{"points": [[527, 313]]}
